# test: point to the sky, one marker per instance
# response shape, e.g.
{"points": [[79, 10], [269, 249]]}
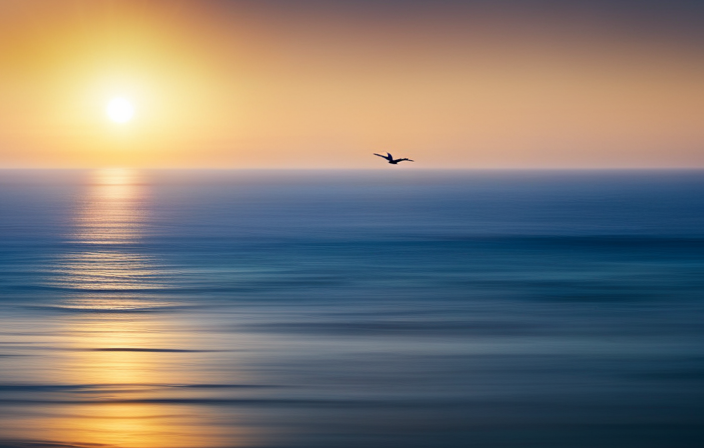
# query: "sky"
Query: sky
{"points": [[323, 84]]}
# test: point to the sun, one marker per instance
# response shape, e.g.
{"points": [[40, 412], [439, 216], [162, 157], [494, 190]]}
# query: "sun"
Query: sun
{"points": [[120, 110]]}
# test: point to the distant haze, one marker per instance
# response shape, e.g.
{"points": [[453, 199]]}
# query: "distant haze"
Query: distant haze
{"points": [[324, 84]]}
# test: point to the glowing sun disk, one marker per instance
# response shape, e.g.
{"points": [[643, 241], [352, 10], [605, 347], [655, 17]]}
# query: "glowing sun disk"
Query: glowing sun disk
{"points": [[120, 110]]}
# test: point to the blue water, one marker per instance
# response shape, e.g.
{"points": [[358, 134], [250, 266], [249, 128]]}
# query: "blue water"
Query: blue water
{"points": [[391, 308]]}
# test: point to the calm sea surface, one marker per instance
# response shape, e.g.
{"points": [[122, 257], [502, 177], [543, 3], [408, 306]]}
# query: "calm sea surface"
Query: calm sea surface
{"points": [[393, 308]]}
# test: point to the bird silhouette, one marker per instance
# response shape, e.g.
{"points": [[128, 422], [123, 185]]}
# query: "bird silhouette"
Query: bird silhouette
{"points": [[391, 159]]}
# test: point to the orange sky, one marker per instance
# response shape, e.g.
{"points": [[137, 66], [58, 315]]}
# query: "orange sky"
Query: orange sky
{"points": [[323, 85]]}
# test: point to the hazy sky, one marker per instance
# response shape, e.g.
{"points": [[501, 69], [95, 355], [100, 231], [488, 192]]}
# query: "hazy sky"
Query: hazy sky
{"points": [[323, 84]]}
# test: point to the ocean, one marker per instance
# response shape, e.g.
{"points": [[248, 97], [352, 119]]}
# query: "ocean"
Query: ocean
{"points": [[344, 309]]}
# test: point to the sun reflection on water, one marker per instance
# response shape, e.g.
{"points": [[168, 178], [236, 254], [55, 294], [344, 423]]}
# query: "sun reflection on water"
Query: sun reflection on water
{"points": [[106, 265], [112, 211], [127, 425], [126, 359], [127, 402]]}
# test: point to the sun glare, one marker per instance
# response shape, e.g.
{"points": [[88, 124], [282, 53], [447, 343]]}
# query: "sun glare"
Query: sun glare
{"points": [[120, 110]]}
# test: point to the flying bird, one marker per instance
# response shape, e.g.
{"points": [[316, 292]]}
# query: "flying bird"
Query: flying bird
{"points": [[391, 159]]}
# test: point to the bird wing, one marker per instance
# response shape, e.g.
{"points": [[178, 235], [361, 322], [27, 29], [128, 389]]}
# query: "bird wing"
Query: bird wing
{"points": [[383, 157], [389, 156]]}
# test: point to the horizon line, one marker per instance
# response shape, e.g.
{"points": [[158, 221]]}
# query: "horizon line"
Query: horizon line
{"points": [[411, 169]]}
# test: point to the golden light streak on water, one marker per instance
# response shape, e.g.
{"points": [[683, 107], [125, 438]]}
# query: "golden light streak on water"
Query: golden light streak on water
{"points": [[128, 425], [120, 410], [112, 210], [118, 353], [110, 214]]}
